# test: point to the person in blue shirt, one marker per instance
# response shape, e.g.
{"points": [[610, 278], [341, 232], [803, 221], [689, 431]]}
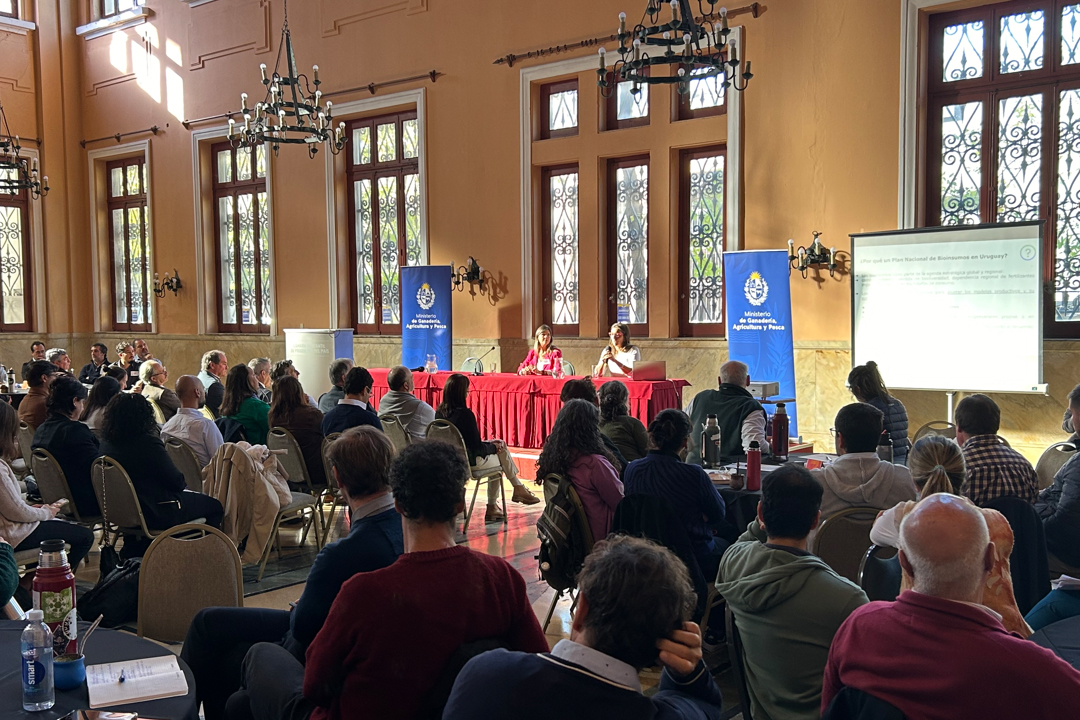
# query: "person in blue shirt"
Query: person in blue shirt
{"points": [[634, 605], [353, 410], [219, 638]]}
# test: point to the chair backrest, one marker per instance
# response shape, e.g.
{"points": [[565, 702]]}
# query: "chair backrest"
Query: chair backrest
{"points": [[327, 467], [935, 427], [447, 432], [186, 461], [116, 495], [159, 416], [168, 595], [231, 430], [880, 574], [1028, 564], [51, 482], [25, 437], [738, 661], [207, 413], [391, 425], [292, 460], [1053, 459], [472, 364], [844, 538], [568, 368]]}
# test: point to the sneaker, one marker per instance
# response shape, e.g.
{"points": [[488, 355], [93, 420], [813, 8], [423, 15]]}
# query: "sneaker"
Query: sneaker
{"points": [[493, 513], [524, 496]]}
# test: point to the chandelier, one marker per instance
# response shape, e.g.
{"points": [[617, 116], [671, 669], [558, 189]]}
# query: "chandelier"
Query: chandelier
{"points": [[17, 173], [693, 51], [291, 111]]}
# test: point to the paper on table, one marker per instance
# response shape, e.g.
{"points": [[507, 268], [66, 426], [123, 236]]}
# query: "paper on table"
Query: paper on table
{"points": [[146, 679]]}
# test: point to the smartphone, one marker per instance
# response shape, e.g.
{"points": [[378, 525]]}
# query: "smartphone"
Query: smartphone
{"points": [[61, 502]]}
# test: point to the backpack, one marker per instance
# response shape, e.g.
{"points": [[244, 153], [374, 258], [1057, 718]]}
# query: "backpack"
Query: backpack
{"points": [[562, 547]]}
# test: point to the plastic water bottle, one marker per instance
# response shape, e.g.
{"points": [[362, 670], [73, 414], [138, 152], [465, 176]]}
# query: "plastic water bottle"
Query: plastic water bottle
{"points": [[37, 664]]}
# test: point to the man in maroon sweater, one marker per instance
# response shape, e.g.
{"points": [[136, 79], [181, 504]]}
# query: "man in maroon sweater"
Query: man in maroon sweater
{"points": [[391, 632], [937, 652]]}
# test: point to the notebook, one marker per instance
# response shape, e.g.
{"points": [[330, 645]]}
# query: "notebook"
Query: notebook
{"points": [[147, 679]]}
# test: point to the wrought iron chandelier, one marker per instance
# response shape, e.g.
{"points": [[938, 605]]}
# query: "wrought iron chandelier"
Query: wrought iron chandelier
{"points": [[291, 111], [18, 173], [693, 50]]}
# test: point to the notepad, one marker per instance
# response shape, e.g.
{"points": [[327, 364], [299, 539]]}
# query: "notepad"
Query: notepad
{"points": [[146, 679]]}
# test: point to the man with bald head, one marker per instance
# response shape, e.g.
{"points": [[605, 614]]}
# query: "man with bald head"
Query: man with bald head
{"points": [[937, 652], [739, 415], [415, 414], [189, 424]]}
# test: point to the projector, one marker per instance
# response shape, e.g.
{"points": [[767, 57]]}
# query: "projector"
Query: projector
{"points": [[763, 390]]}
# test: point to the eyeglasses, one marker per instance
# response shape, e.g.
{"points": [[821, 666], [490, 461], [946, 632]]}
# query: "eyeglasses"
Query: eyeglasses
{"points": [[833, 432], [163, 372]]}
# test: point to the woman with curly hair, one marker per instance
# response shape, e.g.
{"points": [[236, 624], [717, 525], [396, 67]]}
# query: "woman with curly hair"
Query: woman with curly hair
{"points": [[130, 437], [575, 450], [618, 425], [240, 403], [289, 409]]}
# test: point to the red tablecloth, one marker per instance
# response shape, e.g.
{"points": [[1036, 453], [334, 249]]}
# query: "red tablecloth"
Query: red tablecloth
{"points": [[522, 410]]}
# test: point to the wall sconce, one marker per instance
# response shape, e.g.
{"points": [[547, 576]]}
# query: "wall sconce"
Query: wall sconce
{"points": [[814, 256], [470, 272], [169, 283]]}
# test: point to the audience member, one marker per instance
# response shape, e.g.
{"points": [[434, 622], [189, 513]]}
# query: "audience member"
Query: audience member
{"points": [[618, 425], [574, 449], [634, 603], [118, 374], [189, 424], [94, 369], [937, 466], [866, 385], [289, 410], [338, 370], [619, 355], [352, 410], [937, 652], [219, 638], [142, 350], [261, 368], [239, 403], [9, 572], [859, 478], [993, 468], [584, 389], [1059, 507], [70, 441], [26, 526], [59, 358], [413, 413], [130, 437], [386, 641], [283, 368], [105, 389], [214, 366], [125, 358], [739, 415], [787, 603], [482, 455], [37, 352], [693, 497], [32, 410], [151, 376], [1061, 603]]}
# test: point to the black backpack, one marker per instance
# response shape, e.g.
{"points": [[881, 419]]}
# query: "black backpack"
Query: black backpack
{"points": [[562, 546]]}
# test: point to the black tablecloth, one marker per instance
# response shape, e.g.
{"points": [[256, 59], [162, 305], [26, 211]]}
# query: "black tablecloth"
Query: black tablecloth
{"points": [[741, 505], [1063, 637], [104, 646]]}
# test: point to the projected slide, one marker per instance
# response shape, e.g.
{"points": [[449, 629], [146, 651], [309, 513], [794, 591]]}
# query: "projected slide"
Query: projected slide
{"points": [[950, 308]]}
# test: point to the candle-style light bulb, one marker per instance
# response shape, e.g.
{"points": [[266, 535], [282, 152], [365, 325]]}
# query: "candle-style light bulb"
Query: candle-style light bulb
{"points": [[232, 127], [791, 247], [603, 59], [622, 23], [637, 50], [315, 71], [686, 45], [262, 69], [675, 10]]}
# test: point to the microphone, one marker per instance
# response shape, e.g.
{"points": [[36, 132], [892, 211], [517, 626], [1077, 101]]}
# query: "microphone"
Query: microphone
{"points": [[479, 364]]}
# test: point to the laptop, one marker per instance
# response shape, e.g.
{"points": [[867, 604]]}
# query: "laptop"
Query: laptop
{"points": [[649, 370]]}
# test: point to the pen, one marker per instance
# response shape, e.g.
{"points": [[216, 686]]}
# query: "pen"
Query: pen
{"points": [[121, 678]]}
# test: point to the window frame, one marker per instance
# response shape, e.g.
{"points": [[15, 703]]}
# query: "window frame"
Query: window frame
{"points": [[990, 88], [14, 14], [610, 104], [102, 15], [21, 200], [399, 168], [563, 329], [610, 244], [234, 189], [687, 328], [546, 91], [125, 203], [681, 103]]}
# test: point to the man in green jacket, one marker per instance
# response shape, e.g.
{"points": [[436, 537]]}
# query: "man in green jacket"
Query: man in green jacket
{"points": [[787, 602]]}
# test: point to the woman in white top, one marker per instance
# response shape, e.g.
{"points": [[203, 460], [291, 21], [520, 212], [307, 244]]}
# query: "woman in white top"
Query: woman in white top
{"points": [[619, 355]]}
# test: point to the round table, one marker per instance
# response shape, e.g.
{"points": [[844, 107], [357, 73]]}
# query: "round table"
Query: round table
{"points": [[1063, 638], [104, 646]]}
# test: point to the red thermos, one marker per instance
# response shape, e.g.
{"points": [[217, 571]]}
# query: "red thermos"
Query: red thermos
{"points": [[753, 466], [780, 432], [54, 595]]}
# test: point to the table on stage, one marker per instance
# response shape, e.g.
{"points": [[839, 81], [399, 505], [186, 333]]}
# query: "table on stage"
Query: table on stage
{"points": [[521, 409], [104, 646]]}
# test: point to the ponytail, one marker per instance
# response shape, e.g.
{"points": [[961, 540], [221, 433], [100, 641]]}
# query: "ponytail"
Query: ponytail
{"points": [[865, 381], [937, 482], [937, 465]]}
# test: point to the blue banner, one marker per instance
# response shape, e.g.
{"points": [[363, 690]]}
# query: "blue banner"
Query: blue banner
{"points": [[758, 298], [427, 322]]}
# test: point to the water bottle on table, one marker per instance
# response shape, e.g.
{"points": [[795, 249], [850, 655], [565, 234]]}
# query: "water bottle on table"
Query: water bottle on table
{"points": [[432, 365], [37, 664]]}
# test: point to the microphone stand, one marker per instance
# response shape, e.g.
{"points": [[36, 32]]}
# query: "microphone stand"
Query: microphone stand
{"points": [[479, 367]]}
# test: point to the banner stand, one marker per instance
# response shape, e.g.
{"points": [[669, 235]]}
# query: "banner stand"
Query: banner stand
{"points": [[427, 323]]}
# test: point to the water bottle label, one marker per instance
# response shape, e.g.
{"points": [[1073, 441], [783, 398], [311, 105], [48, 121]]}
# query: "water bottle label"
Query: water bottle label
{"points": [[33, 669]]}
